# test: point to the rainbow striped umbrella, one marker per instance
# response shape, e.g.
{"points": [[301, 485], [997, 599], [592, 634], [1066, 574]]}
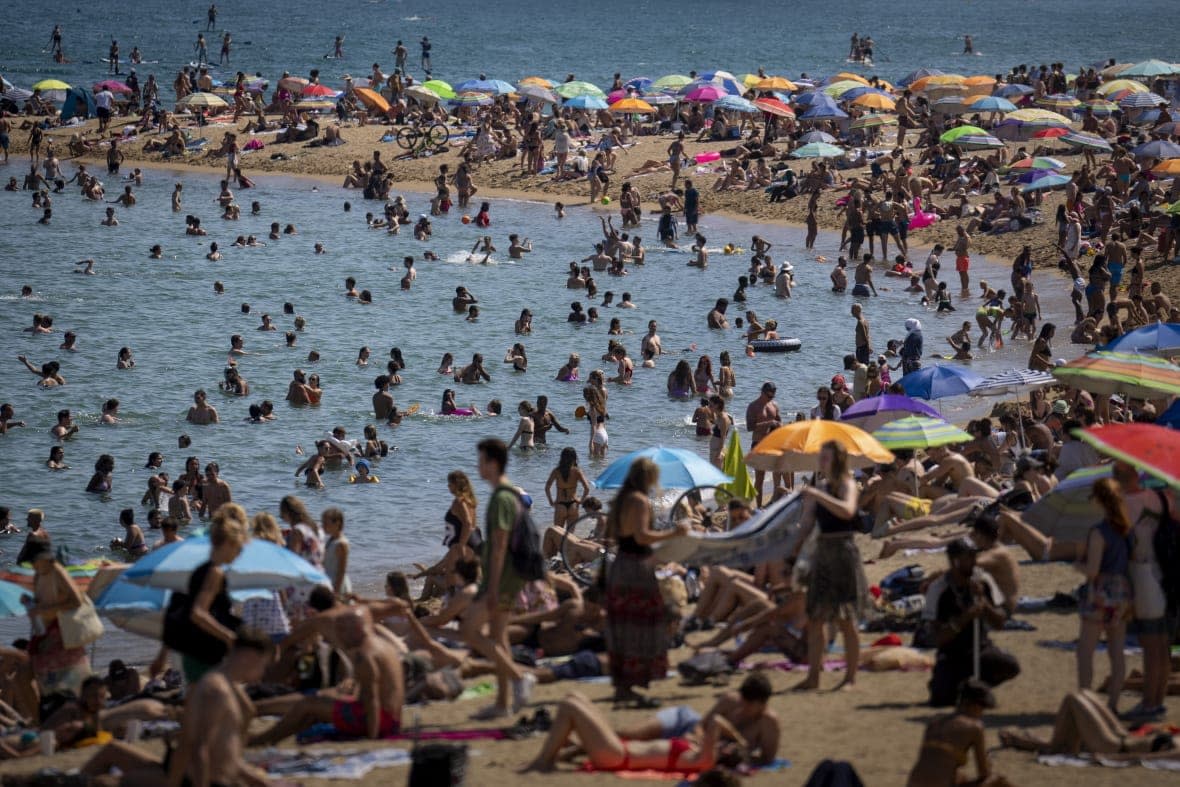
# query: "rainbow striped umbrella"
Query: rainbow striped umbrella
{"points": [[1122, 373], [919, 431], [1106, 88], [1101, 107], [872, 121]]}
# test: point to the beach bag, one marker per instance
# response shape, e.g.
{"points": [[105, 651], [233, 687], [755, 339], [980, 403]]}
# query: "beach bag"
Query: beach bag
{"points": [[438, 765], [524, 544], [705, 667], [80, 626], [1166, 544]]}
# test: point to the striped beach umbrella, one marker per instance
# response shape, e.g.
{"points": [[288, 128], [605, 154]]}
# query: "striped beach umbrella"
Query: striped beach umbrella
{"points": [[1101, 107], [671, 82], [1159, 338], [1150, 68], [1047, 182], [919, 431], [992, 104], [471, 99], [1014, 91], [979, 142], [1153, 449], [1121, 373], [873, 412], [1141, 101], [873, 121], [1114, 86], [1039, 162], [735, 104], [572, 89], [1157, 148], [959, 131], [817, 150], [1012, 381], [772, 106], [1088, 141]]}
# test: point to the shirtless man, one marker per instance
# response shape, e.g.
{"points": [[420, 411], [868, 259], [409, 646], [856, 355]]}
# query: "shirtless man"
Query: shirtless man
{"points": [[762, 418], [947, 475], [462, 300], [963, 258], [382, 400], [516, 249], [599, 259], [376, 711], [217, 713], [64, 427], [7, 416], [716, 317], [651, 344], [215, 491], [298, 391], [862, 278], [201, 412]]}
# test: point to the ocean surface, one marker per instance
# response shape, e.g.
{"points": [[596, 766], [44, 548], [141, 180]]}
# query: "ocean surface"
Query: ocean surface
{"points": [[636, 37]]}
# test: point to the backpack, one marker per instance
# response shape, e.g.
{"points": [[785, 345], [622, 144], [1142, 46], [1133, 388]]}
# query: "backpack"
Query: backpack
{"points": [[1166, 544], [524, 544]]}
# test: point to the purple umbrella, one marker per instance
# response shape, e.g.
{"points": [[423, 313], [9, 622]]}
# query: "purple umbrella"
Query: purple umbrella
{"points": [[1034, 174], [706, 94], [873, 412]]}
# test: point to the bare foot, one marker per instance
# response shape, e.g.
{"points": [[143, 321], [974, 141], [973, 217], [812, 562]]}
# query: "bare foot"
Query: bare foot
{"points": [[888, 550], [536, 765], [806, 685], [845, 685]]}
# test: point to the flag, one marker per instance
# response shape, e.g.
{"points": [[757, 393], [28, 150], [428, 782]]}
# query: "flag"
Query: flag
{"points": [[734, 464]]}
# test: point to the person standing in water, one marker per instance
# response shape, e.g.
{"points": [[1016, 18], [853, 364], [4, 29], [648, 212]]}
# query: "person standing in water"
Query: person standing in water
{"points": [[55, 40], [226, 40], [202, 50], [426, 45], [212, 17], [968, 45]]}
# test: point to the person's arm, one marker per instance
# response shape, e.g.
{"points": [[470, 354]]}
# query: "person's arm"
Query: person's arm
{"points": [[452, 610], [193, 725], [200, 616], [549, 486], [872, 286], [28, 365], [1094, 544], [581, 479], [983, 767], [497, 550], [342, 551]]}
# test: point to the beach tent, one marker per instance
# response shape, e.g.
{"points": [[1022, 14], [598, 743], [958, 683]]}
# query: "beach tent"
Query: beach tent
{"points": [[78, 103]]}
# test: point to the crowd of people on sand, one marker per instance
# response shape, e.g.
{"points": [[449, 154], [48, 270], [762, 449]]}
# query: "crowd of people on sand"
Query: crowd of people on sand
{"points": [[328, 656]]}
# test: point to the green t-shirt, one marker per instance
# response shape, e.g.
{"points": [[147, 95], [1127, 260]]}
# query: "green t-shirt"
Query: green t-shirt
{"points": [[502, 511]]}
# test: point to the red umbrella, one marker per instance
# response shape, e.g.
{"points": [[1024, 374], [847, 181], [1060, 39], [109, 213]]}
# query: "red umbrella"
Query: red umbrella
{"points": [[1147, 447], [774, 107], [317, 91], [1048, 133]]}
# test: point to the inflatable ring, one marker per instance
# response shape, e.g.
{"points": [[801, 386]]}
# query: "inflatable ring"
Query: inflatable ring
{"points": [[776, 345]]}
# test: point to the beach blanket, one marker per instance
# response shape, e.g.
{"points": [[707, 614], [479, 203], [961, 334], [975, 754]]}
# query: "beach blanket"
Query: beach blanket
{"points": [[327, 764], [1072, 645], [681, 776], [1088, 760], [327, 732]]}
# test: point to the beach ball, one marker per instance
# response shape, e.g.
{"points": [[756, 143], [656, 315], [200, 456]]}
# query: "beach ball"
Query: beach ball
{"points": [[606, 200], [466, 219]]}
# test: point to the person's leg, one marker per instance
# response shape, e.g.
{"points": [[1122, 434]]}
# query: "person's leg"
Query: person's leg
{"points": [[759, 479], [309, 711], [895, 545], [851, 653], [1082, 726], [1015, 530], [815, 654], [974, 488], [756, 639], [1088, 636], [1156, 666], [117, 754], [576, 716], [1116, 634]]}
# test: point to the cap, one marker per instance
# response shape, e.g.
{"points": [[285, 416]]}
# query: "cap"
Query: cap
{"points": [[960, 546], [1060, 407], [838, 381]]}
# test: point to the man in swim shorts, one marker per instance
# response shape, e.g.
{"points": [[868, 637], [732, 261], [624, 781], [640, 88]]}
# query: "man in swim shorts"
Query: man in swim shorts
{"points": [[963, 257]]}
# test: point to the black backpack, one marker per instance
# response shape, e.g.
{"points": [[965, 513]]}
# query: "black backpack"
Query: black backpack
{"points": [[1166, 544], [524, 544], [438, 764]]}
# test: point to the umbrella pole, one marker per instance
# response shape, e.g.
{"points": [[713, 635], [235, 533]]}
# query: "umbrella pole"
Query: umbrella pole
{"points": [[975, 649]]}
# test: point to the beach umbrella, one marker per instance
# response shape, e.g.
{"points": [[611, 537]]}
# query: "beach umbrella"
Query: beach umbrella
{"points": [[374, 100], [1170, 129], [1035, 116], [17, 94], [1013, 91], [318, 91], [261, 565], [660, 99], [1157, 148], [539, 93], [1058, 102], [1153, 449], [1169, 167], [495, 87], [936, 80], [634, 106], [1150, 68], [1170, 417], [1112, 71], [733, 464], [1141, 101], [422, 93], [938, 382], [671, 82], [992, 104], [1143, 117], [814, 97], [706, 94], [140, 610], [471, 99], [113, 85], [873, 412], [980, 80], [817, 136], [616, 95], [775, 83], [823, 111], [1047, 182], [1032, 175], [440, 88], [978, 142], [958, 131], [735, 104], [1012, 381], [1100, 107], [1106, 88], [1067, 512], [50, 84], [860, 90], [951, 105], [914, 76], [846, 76], [843, 86], [679, 469], [795, 447], [1173, 209], [1121, 373], [1039, 162], [1079, 140], [919, 431], [875, 101], [10, 600], [817, 150], [81, 574], [294, 84], [1054, 132], [206, 100], [873, 121], [638, 84], [538, 81], [572, 89], [772, 106], [1159, 338], [586, 102]]}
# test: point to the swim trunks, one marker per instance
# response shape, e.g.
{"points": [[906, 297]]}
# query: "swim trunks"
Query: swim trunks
{"points": [[348, 717], [677, 721], [962, 263], [861, 291]]}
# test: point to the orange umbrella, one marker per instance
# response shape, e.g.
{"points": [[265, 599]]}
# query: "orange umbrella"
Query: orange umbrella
{"points": [[632, 106], [853, 77], [795, 447], [776, 83], [1169, 167], [980, 79], [540, 81], [372, 99], [874, 101]]}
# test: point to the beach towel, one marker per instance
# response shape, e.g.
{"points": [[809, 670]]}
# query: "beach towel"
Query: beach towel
{"points": [[684, 777], [327, 764], [1089, 760], [318, 733], [1072, 645]]}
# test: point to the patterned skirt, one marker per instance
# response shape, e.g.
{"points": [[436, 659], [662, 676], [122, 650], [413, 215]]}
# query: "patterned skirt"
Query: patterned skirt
{"points": [[836, 587], [636, 622], [56, 666]]}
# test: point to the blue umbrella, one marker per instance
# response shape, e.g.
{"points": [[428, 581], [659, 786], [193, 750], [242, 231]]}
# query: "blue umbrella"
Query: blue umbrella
{"points": [[937, 382], [679, 469], [496, 87], [821, 111], [1170, 417], [1051, 181], [735, 104], [873, 412], [1161, 338], [992, 104], [818, 136], [807, 99], [1157, 148], [586, 102], [1034, 174], [1014, 91], [857, 92], [817, 150], [638, 84], [140, 609], [10, 595], [261, 565], [1142, 101]]}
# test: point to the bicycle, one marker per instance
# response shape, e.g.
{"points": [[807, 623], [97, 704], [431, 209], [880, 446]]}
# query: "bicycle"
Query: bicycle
{"points": [[417, 139]]}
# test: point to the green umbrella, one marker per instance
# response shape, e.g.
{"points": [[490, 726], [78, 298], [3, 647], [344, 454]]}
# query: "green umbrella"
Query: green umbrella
{"points": [[442, 89], [958, 131], [671, 82], [571, 89], [919, 431], [818, 150]]}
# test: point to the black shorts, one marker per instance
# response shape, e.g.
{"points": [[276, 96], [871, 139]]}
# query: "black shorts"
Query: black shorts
{"points": [[856, 236], [104, 114]]}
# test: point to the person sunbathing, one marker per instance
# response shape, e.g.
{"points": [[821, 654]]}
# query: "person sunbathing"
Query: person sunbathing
{"points": [[950, 739], [1084, 723], [577, 716], [781, 624]]}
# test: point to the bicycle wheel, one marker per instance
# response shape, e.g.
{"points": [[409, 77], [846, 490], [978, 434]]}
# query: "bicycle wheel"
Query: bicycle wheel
{"points": [[407, 138], [437, 135], [582, 555]]}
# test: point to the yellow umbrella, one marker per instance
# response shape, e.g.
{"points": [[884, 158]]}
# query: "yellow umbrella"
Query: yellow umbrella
{"points": [[1106, 88], [853, 77], [632, 106], [50, 84], [776, 83], [874, 101], [1030, 114], [749, 80], [371, 99], [937, 79], [979, 79], [796, 447], [207, 100], [545, 83], [1169, 167]]}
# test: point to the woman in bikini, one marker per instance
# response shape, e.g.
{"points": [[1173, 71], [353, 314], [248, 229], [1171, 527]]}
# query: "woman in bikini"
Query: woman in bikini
{"points": [[950, 739], [566, 477], [461, 536], [524, 430], [577, 716], [1084, 723]]}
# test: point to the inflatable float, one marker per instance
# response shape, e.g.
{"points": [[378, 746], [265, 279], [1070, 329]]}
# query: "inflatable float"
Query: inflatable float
{"points": [[776, 345]]}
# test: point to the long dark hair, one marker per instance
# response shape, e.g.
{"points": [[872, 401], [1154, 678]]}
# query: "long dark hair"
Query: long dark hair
{"points": [[1108, 493], [642, 476], [567, 462]]}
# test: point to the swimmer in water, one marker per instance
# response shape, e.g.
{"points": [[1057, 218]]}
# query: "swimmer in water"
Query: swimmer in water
{"points": [[88, 268], [968, 45]]}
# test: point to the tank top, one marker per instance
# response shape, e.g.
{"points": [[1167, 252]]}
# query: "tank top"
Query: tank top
{"points": [[831, 525], [629, 546], [1116, 550]]}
